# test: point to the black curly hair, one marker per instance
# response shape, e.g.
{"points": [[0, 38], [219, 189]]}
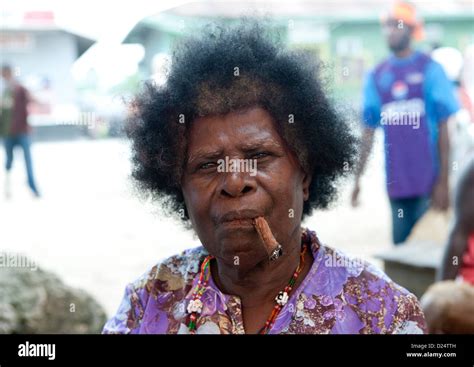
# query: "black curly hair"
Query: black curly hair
{"points": [[227, 68]]}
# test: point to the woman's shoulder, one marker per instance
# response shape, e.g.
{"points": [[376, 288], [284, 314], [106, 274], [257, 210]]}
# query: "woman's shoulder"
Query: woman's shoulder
{"points": [[173, 272], [355, 268], [382, 304], [164, 283]]}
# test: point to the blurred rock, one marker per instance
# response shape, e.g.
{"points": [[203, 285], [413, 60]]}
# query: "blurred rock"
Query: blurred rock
{"points": [[36, 301]]}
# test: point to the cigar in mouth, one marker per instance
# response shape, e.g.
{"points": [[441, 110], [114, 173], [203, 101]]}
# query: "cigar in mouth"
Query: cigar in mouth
{"points": [[273, 248]]}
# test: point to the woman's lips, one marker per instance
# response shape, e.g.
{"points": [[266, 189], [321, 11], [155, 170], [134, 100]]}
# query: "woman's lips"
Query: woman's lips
{"points": [[235, 223], [238, 215], [250, 219], [238, 218]]}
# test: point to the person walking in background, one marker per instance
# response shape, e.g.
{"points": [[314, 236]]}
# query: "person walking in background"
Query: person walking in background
{"points": [[461, 239], [14, 126], [449, 303], [410, 97]]}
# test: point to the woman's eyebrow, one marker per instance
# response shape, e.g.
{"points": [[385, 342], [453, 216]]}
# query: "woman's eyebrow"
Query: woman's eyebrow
{"points": [[249, 146], [204, 154]]}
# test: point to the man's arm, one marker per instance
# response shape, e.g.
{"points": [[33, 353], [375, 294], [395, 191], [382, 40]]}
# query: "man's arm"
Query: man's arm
{"points": [[463, 225], [452, 258], [440, 195], [440, 93], [29, 97]]}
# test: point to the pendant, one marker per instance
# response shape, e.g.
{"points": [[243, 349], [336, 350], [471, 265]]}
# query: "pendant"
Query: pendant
{"points": [[282, 298], [195, 305]]}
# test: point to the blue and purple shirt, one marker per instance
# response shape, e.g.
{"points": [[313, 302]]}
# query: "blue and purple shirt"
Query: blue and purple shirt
{"points": [[409, 98]]}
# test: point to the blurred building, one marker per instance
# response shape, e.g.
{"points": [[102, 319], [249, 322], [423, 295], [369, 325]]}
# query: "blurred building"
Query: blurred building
{"points": [[41, 54], [344, 33], [58, 63]]}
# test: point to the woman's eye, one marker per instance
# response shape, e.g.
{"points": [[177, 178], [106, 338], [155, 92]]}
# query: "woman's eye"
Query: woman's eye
{"points": [[260, 155], [207, 165]]}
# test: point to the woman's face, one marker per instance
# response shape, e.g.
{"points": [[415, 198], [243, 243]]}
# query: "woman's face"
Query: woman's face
{"points": [[221, 201]]}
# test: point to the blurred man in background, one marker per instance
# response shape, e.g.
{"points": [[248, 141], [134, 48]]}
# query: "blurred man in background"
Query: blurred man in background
{"points": [[14, 126], [410, 96]]}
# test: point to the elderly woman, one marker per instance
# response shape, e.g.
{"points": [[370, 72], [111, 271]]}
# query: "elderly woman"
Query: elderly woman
{"points": [[243, 143]]}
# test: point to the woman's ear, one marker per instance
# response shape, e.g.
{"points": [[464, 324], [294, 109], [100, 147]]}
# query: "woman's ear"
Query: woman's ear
{"points": [[306, 183]]}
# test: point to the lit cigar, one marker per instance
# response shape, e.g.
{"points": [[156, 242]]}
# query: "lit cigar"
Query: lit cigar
{"points": [[273, 248]]}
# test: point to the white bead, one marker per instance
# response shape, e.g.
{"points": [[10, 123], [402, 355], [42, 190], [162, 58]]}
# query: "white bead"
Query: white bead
{"points": [[195, 305]]}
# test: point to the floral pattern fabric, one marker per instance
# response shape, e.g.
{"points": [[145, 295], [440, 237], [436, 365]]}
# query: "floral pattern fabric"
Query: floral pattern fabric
{"points": [[339, 295]]}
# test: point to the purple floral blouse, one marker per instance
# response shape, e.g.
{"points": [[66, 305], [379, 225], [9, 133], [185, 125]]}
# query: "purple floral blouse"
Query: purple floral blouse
{"points": [[339, 295]]}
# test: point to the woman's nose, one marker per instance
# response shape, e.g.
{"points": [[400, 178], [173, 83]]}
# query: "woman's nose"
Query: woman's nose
{"points": [[235, 184]]}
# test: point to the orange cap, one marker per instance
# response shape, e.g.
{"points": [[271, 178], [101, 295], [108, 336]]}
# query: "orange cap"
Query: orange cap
{"points": [[406, 12]]}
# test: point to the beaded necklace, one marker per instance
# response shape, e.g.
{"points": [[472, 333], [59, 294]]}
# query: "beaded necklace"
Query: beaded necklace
{"points": [[195, 305]]}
